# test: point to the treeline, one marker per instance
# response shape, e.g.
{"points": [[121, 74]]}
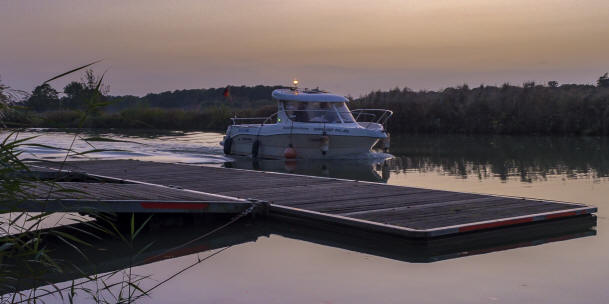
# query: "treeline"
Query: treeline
{"points": [[528, 109], [196, 99], [195, 109], [76, 96]]}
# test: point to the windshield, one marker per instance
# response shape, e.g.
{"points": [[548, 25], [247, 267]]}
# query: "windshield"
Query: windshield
{"points": [[319, 112], [344, 112]]}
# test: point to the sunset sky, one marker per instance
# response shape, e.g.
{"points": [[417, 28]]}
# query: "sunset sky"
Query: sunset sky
{"points": [[349, 47]]}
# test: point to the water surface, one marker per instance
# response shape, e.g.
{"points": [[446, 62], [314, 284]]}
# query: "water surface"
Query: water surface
{"points": [[271, 263]]}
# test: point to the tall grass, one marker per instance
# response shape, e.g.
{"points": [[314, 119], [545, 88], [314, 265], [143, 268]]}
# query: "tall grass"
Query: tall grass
{"points": [[214, 118], [24, 256], [530, 109]]}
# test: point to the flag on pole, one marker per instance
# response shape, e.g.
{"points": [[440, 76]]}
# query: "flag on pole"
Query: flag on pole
{"points": [[226, 93]]}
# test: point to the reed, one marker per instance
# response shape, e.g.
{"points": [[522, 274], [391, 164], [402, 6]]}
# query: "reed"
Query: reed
{"points": [[24, 256], [213, 118], [519, 110]]}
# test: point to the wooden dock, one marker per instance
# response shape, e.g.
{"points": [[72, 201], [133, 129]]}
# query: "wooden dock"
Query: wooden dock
{"points": [[77, 192], [397, 210]]}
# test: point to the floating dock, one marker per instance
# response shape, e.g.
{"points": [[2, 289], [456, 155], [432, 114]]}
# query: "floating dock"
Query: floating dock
{"points": [[396, 210], [52, 191]]}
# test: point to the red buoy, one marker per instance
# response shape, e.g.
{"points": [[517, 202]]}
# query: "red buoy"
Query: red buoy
{"points": [[289, 152]]}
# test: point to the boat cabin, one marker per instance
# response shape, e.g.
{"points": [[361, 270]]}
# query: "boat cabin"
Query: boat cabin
{"points": [[311, 106]]}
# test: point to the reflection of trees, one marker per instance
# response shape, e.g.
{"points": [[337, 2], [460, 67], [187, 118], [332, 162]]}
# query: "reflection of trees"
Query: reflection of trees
{"points": [[531, 157]]}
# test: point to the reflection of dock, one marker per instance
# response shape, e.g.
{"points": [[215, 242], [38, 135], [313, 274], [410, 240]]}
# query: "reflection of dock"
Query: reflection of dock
{"points": [[167, 243], [442, 248], [396, 210]]}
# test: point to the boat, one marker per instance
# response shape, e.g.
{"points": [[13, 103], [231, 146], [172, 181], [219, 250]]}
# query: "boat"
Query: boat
{"points": [[309, 124]]}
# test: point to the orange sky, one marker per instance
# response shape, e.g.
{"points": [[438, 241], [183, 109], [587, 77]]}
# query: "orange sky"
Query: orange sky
{"points": [[349, 47]]}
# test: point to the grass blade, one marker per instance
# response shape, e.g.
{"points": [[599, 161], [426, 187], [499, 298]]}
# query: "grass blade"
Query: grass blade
{"points": [[73, 70]]}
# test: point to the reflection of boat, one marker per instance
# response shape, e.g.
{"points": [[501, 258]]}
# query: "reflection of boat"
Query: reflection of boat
{"points": [[172, 242], [309, 124], [372, 170]]}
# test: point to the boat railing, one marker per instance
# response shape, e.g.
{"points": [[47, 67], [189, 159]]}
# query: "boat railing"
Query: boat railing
{"points": [[379, 116], [383, 115], [254, 120]]}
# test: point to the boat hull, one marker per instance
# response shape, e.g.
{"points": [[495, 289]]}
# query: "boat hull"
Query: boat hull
{"points": [[306, 145]]}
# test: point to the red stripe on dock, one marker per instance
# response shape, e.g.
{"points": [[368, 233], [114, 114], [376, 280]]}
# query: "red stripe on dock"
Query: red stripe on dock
{"points": [[155, 205], [552, 216], [495, 224]]}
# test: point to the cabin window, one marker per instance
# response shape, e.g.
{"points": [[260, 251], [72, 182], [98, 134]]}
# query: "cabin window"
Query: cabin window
{"points": [[318, 112], [344, 112]]}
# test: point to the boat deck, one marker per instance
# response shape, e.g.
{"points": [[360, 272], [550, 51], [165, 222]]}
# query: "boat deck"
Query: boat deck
{"points": [[405, 211]]}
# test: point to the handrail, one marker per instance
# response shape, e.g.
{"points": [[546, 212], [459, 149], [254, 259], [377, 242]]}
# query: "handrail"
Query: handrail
{"points": [[247, 118], [235, 119], [357, 113], [270, 117], [382, 118]]}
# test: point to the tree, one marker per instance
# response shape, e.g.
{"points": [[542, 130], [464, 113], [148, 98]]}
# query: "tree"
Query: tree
{"points": [[74, 89], [553, 84], [91, 82], [528, 84], [85, 94], [3, 102], [9, 95], [8, 98], [603, 81], [43, 98], [3, 96], [75, 95]]}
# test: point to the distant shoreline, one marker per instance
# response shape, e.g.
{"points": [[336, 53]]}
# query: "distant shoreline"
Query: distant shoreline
{"points": [[531, 109]]}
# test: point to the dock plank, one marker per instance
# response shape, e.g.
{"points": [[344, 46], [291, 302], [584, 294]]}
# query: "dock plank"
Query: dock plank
{"points": [[111, 191], [408, 211]]}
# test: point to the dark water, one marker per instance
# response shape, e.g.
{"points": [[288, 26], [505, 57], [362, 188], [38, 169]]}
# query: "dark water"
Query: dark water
{"points": [[268, 262]]}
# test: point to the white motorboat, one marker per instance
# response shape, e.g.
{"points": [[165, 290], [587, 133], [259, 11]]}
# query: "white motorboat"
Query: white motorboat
{"points": [[309, 124]]}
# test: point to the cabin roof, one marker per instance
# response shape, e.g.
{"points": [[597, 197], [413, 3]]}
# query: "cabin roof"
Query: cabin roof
{"points": [[307, 96]]}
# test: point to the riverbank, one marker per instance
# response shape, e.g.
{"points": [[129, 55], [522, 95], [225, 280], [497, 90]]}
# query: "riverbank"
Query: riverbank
{"points": [[143, 118], [511, 110]]}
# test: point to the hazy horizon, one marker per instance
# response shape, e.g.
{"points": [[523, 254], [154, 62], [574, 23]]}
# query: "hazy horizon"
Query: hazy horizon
{"points": [[349, 47]]}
